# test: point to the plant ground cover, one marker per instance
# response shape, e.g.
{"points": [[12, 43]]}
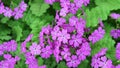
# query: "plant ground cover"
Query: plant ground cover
{"points": [[59, 33]]}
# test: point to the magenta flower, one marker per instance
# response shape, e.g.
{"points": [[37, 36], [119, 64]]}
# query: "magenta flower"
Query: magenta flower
{"points": [[17, 13], [9, 46], [57, 16], [63, 36], [84, 51], [115, 15], [23, 6], [55, 32], [80, 28], [73, 20], [1, 50], [76, 40], [35, 49], [63, 12], [23, 47], [99, 60], [65, 53], [61, 21], [7, 56], [2, 8], [46, 30], [43, 66], [68, 28], [73, 61], [118, 66], [13, 45], [118, 51], [56, 51], [65, 3], [50, 1], [41, 39], [46, 52], [8, 62], [115, 33], [97, 35], [29, 38], [105, 63], [86, 2], [73, 8], [95, 63], [78, 3], [31, 61], [8, 12]]}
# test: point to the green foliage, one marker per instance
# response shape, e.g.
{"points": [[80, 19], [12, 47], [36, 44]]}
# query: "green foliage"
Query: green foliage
{"points": [[21, 64], [50, 62], [84, 64], [38, 8], [4, 20], [62, 65], [111, 54], [102, 11], [4, 33], [15, 3], [56, 6], [39, 14], [40, 61], [18, 32], [29, 17], [16, 27], [36, 28]]}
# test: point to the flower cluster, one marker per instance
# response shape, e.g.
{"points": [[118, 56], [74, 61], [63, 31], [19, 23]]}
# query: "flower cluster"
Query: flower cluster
{"points": [[34, 49], [32, 61], [65, 38], [115, 15], [99, 60], [16, 13], [68, 6], [9, 61], [115, 33], [97, 35], [8, 47]]}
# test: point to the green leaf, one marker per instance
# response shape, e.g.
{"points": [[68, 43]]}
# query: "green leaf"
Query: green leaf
{"points": [[4, 30], [14, 3], [111, 54], [84, 64], [56, 6], [36, 28], [4, 19], [6, 2], [49, 63], [16, 27], [62, 65], [18, 32], [29, 18], [111, 2], [49, 18], [4, 33], [40, 61], [21, 64], [5, 37], [38, 8], [102, 11]]}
